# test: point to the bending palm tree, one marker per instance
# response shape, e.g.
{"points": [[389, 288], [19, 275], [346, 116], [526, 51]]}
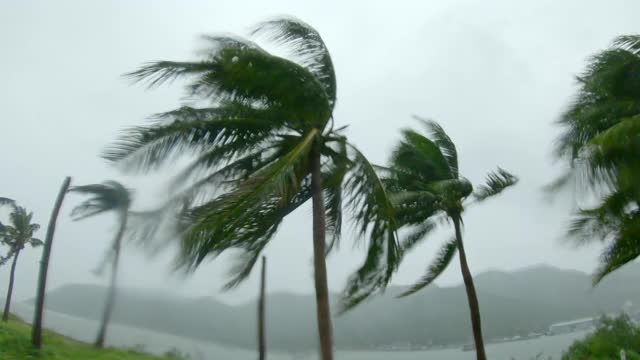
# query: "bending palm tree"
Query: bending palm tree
{"points": [[265, 145], [106, 197], [424, 180], [16, 236], [601, 143]]}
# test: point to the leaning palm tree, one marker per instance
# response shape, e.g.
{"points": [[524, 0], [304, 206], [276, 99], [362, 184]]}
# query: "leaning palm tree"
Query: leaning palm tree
{"points": [[16, 236], [600, 142], [264, 145], [110, 196], [425, 183]]}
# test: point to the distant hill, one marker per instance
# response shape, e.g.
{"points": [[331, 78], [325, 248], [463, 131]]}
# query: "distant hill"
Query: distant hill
{"points": [[512, 303]]}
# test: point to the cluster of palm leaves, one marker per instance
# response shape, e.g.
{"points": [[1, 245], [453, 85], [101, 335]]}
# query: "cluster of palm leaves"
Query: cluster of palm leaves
{"points": [[601, 142]]}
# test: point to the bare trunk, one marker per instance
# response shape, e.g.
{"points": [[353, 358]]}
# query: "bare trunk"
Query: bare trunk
{"points": [[319, 262], [7, 302], [111, 296], [36, 331], [474, 307], [262, 346]]}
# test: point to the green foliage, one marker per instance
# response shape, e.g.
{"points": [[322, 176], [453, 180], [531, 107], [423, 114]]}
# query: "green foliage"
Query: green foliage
{"points": [[108, 196], [611, 336], [601, 143], [15, 344], [264, 119], [424, 181], [20, 230]]}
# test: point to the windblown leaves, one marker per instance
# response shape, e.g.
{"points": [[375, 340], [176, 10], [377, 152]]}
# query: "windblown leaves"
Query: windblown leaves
{"points": [[496, 183], [600, 140], [105, 197], [373, 216], [439, 265]]}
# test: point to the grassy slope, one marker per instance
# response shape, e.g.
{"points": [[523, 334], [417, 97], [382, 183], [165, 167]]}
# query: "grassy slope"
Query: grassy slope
{"points": [[15, 344]]}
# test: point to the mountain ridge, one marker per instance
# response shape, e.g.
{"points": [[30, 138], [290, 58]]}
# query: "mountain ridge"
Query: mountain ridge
{"points": [[512, 303]]}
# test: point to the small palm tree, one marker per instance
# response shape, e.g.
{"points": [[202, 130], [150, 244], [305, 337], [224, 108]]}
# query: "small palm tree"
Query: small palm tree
{"points": [[425, 184], [600, 142], [264, 146], [16, 235], [110, 196]]}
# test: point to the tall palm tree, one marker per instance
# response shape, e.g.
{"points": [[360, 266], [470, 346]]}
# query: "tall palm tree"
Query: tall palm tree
{"points": [[38, 311], [17, 235], [600, 141], [110, 196], [426, 185], [264, 145]]}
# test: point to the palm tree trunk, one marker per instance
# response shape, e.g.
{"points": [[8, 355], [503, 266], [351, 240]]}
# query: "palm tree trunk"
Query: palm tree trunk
{"points": [[323, 311], [111, 296], [7, 302], [36, 331], [474, 307], [262, 346]]}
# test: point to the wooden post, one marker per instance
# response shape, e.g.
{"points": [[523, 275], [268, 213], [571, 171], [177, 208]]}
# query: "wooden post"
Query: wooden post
{"points": [[36, 333]]}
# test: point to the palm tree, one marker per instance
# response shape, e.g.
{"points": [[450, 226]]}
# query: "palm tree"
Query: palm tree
{"points": [[36, 329], [110, 196], [264, 146], [17, 236], [424, 180], [600, 141]]}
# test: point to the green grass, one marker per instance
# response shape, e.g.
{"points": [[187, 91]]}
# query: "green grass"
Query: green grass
{"points": [[15, 344]]}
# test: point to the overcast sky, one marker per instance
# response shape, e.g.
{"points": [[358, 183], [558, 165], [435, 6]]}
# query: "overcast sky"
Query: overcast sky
{"points": [[495, 74]]}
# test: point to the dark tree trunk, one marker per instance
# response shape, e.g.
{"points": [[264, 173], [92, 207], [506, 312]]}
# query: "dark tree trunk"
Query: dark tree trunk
{"points": [[474, 307], [7, 303], [262, 343], [319, 261], [111, 296], [36, 331]]}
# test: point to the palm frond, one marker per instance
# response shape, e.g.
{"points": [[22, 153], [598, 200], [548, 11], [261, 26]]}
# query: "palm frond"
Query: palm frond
{"points": [[444, 142], [418, 160], [108, 196], [307, 49], [34, 242], [333, 182], [373, 215], [496, 183], [417, 235], [623, 249], [628, 42], [247, 217], [156, 73], [192, 130], [434, 270], [6, 201], [601, 222]]}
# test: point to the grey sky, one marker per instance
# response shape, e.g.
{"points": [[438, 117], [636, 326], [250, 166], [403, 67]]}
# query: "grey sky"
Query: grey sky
{"points": [[495, 74]]}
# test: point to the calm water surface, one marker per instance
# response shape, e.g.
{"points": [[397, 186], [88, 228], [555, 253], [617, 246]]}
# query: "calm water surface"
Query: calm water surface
{"points": [[154, 342]]}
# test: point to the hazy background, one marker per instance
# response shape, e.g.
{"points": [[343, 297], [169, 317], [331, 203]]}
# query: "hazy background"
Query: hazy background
{"points": [[495, 74]]}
